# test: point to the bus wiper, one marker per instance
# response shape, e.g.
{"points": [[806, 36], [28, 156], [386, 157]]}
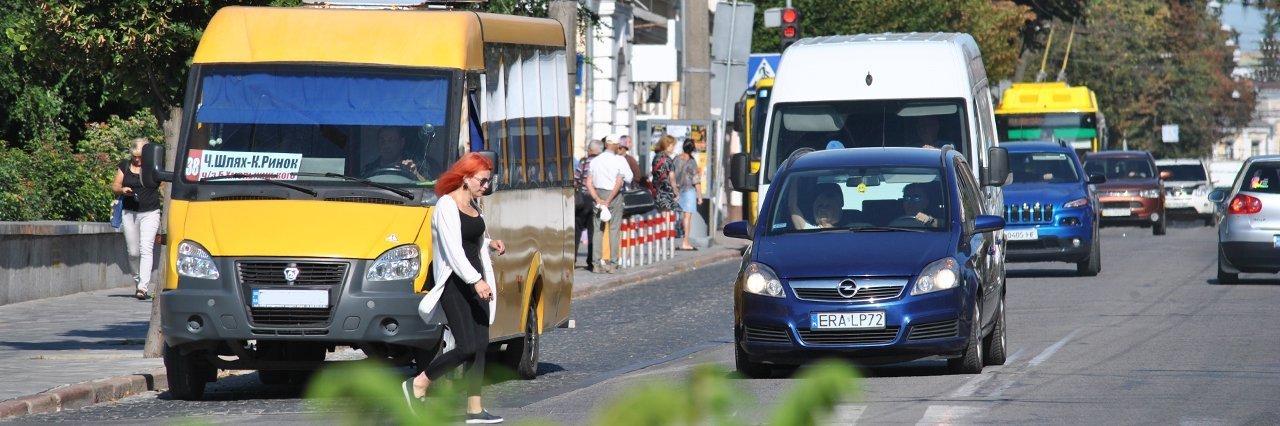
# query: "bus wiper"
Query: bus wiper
{"points": [[403, 193], [294, 187]]}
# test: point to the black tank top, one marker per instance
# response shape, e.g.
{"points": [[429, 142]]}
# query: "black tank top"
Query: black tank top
{"points": [[472, 238], [144, 199]]}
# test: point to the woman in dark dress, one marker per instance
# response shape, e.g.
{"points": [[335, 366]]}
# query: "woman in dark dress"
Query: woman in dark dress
{"points": [[460, 255], [663, 177]]}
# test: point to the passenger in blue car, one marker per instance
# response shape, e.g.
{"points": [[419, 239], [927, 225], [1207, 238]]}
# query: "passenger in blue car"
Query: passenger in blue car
{"points": [[825, 209]]}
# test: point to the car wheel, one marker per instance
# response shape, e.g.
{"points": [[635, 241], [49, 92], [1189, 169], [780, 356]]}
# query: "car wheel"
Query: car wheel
{"points": [[522, 356], [995, 342], [750, 369], [971, 361], [187, 373], [1093, 264], [1161, 227], [1225, 277]]}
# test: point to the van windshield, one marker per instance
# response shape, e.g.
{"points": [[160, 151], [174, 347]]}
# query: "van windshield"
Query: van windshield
{"points": [[853, 124], [301, 122], [862, 199]]}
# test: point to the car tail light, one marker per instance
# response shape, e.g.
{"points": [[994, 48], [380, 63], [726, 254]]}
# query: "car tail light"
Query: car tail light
{"points": [[1244, 204]]}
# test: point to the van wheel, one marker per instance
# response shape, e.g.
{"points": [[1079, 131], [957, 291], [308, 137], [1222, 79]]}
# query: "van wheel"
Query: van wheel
{"points": [[995, 342], [971, 361], [1093, 264], [753, 370], [187, 374], [522, 355], [1159, 228]]}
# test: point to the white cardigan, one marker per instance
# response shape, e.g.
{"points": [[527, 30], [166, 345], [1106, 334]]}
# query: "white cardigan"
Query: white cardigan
{"points": [[448, 257]]}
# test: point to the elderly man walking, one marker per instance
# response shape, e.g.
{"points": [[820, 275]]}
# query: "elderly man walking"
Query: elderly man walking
{"points": [[606, 175]]}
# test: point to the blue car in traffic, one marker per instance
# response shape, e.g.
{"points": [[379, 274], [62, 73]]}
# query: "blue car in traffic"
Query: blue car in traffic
{"points": [[1051, 208], [880, 255]]}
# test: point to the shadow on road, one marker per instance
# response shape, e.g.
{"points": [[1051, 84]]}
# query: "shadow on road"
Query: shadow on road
{"points": [[1041, 273]]}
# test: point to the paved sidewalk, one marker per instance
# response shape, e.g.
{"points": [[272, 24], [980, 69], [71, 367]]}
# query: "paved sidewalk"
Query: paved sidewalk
{"points": [[73, 351]]}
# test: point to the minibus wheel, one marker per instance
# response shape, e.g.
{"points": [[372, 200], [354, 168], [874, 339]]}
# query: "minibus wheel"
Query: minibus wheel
{"points": [[187, 373]]}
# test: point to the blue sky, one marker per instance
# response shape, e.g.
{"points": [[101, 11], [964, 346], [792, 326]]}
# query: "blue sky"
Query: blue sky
{"points": [[1246, 20]]}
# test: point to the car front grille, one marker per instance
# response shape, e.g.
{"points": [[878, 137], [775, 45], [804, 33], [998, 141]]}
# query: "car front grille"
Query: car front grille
{"points": [[934, 330], [849, 337], [1028, 213], [869, 290], [766, 334]]}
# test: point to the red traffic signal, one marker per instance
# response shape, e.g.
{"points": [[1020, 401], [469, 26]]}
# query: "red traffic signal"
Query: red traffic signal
{"points": [[790, 32], [790, 16]]}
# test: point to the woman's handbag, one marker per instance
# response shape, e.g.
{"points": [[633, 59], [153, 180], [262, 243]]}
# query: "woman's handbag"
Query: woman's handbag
{"points": [[636, 201], [117, 213]]}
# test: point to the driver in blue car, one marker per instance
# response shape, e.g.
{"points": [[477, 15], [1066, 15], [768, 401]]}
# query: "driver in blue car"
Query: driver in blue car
{"points": [[392, 158], [915, 204]]}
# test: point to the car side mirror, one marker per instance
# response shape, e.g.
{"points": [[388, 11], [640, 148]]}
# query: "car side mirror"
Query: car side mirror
{"points": [[739, 229], [987, 223], [152, 166], [997, 166], [493, 159], [740, 176], [1097, 179], [1217, 195], [1165, 174]]}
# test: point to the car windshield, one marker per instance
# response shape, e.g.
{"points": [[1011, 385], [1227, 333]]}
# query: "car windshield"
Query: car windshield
{"points": [[302, 123], [1119, 168], [1187, 172], [1043, 167], [868, 199], [928, 123]]}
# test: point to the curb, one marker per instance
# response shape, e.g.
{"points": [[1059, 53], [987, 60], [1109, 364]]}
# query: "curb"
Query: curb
{"points": [[80, 395]]}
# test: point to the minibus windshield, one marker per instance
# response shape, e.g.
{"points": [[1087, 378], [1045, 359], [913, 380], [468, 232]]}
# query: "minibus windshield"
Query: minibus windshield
{"points": [[323, 125], [929, 123]]}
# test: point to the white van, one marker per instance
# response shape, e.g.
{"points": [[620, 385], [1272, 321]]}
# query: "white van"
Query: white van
{"points": [[912, 89]]}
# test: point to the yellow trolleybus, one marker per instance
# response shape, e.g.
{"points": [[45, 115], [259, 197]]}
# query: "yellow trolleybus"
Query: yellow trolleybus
{"points": [[301, 201], [1052, 111]]}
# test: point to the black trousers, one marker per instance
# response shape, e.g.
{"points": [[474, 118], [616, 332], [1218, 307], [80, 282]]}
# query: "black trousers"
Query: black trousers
{"points": [[469, 322]]}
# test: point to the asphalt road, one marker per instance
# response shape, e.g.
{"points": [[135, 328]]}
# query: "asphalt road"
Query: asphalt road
{"points": [[1152, 340]]}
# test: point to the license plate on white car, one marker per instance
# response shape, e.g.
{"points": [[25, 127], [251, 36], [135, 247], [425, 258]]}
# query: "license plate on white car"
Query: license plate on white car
{"points": [[846, 320], [1122, 211], [1021, 234], [271, 298]]}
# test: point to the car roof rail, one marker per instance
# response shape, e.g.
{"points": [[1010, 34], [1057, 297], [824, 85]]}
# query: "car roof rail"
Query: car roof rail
{"points": [[943, 158], [1062, 142], [795, 155]]}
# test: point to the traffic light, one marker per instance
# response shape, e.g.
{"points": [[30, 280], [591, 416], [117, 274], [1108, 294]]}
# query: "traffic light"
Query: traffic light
{"points": [[790, 30]]}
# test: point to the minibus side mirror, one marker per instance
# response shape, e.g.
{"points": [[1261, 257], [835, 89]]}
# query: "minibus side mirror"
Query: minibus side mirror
{"points": [[997, 166], [740, 175], [493, 158], [152, 166]]}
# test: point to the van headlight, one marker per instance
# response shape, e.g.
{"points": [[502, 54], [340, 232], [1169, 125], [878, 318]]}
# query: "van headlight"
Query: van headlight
{"points": [[760, 279], [400, 263], [1149, 193], [940, 275], [194, 261]]}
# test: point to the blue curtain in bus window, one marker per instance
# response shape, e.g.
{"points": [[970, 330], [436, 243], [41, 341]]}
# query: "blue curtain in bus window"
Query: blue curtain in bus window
{"points": [[368, 100]]}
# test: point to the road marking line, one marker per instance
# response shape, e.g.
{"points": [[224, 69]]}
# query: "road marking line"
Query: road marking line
{"points": [[970, 387], [1009, 359], [846, 414], [1048, 352], [947, 414]]}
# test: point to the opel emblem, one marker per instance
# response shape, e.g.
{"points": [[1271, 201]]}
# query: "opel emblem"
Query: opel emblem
{"points": [[847, 289], [291, 273]]}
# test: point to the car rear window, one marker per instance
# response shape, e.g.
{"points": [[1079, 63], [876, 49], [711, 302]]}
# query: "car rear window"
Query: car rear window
{"points": [[1185, 171], [1262, 177]]}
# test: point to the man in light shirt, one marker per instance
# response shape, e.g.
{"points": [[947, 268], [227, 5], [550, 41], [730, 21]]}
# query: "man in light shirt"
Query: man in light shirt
{"points": [[606, 176]]}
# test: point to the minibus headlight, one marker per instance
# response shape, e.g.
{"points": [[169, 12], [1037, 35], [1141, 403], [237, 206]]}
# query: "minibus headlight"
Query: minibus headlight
{"points": [[760, 279], [940, 275], [400, 263], [194, 261]]}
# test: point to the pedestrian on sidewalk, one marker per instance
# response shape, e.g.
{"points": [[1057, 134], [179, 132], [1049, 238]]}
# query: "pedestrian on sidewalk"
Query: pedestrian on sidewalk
{"points": [[460, 253], [688, 182], [624, 150], [605, 179], [584, 207], [662, 175], [140, 217]]}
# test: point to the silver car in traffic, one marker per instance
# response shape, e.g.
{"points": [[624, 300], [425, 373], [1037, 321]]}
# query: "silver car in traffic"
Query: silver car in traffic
{"points": [[1249, 228]]}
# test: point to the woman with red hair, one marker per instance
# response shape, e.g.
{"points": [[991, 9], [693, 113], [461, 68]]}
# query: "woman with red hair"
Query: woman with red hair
{"points": [[463, 273]]}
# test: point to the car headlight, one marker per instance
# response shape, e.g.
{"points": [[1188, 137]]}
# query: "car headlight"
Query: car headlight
{"points": [[940, 275], [1149, 193], [400, 263], [760, 279], [194, 261], [1079, 202]]}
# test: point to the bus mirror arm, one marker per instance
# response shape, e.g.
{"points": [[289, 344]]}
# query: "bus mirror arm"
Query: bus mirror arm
{"points": [[152, 169], [997, 166]]}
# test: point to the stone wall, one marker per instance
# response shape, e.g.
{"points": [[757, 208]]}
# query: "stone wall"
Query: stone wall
{"points": [[55, 258]]}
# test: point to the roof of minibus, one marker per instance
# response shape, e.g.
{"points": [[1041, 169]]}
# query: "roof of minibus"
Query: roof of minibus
{"points": [[900, 66], [420, 38]]}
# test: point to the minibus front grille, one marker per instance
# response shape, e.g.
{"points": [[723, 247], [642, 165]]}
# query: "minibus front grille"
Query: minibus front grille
{"points": [[368, 200], [309, 273]]}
